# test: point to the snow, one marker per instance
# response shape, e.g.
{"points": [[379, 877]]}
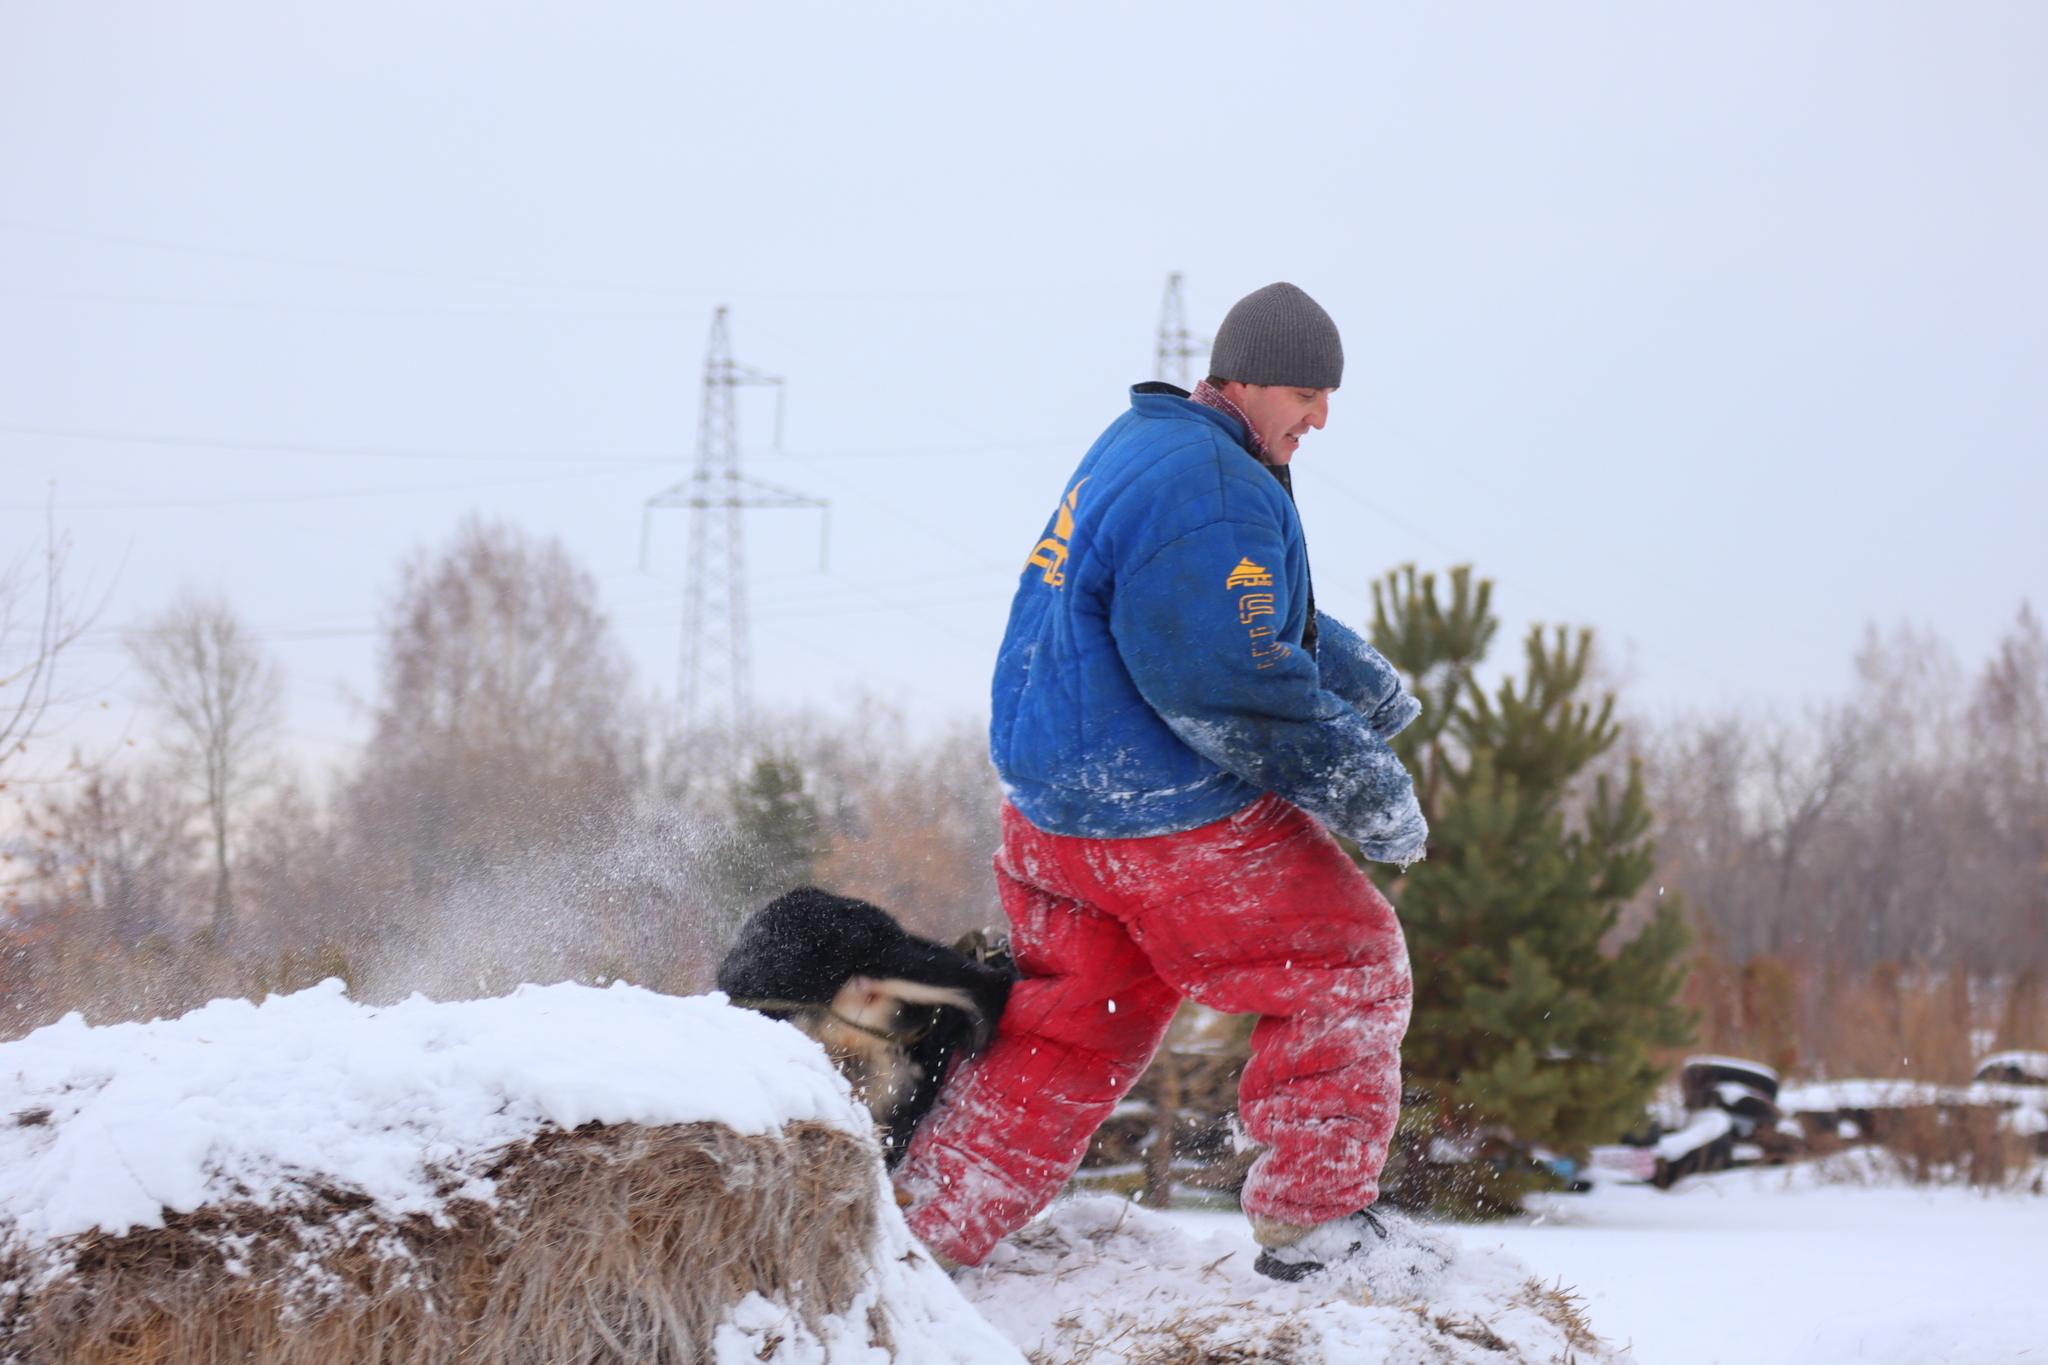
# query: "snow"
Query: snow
{"points": [[1100, 1280], [1818, 1264], [2034, 1064], [1827, 1097], [1821, 1264], [1815, 1265], [2025, 1106], [238, 1101], [406, 1103], [1706, 1125]]}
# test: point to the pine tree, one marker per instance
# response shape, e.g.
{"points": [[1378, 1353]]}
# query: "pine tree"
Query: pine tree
{"points": [[775, 841], [1530, 1028]]}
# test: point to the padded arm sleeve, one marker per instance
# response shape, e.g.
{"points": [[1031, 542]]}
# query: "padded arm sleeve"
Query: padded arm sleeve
{"points": [[1205, 650], [1361, 675]]}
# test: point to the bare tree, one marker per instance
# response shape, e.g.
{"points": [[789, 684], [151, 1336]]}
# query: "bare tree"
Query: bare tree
{"points": [[503, 727], [222, 704], [921, 825], [1886, 850], [2008, 722], [119, 846], [37, 622], [1856, 834]]}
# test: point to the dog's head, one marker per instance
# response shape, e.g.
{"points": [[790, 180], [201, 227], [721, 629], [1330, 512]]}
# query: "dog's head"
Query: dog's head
{"points": [[804, 947], [894, 1010]]}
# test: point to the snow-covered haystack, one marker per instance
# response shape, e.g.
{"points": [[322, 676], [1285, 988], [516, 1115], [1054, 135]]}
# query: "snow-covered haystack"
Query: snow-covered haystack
{"points": [[1103, 1281], [564, 1174]]}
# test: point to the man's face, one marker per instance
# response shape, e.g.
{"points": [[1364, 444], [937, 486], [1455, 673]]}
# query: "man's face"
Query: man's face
{"points": [[1281, 415]]}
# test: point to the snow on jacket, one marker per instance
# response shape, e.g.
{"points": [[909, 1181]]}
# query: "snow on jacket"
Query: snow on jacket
{"points": [[1153, 679]]}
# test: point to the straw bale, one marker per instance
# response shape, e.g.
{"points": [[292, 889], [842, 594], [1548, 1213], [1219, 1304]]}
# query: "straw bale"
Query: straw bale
{"points": [[606, 1244]]}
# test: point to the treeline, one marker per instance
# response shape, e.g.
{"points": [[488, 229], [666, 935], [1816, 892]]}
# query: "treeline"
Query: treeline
{"points": [[1866, 884], [518, 812], [1871, 880], [1864, 890]]}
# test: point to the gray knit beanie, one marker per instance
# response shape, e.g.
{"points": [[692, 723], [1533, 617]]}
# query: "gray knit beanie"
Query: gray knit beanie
{"points": [[1278, 335]]}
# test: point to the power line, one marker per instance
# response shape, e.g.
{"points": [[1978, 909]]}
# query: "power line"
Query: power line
{"points": [[848, 585], [301, 448], [915, 609], [835, 610], [1377, 507], [672, 291], [274, 258], [896, 513], [909, 452], [321, 495], [356, 310]]}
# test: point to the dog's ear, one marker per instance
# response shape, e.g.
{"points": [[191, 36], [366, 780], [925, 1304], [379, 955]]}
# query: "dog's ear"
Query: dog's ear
{"points": [[917, 959]]}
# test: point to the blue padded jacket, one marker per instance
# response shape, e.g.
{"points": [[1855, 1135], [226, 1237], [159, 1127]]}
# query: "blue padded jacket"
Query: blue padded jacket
{"points": [[1153, 679]]}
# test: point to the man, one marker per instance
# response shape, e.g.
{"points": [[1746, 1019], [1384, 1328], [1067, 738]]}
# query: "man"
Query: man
{"points": [[1177, 729]]}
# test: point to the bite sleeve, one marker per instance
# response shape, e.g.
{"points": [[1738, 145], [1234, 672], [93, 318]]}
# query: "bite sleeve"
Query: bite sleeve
{"points": [[1350, 667], [1206, 647]]}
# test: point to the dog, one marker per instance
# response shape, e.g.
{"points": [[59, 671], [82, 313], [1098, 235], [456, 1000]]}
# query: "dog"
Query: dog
{"points": [[894, 1011]]}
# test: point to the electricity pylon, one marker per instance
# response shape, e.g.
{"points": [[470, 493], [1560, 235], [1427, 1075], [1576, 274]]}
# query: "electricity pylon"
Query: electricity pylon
{"points": [[1177, 345], [716, 682]]}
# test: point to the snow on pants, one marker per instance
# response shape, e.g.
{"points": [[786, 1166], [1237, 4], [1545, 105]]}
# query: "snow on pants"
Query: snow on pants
{"points": [[1260, 913]]}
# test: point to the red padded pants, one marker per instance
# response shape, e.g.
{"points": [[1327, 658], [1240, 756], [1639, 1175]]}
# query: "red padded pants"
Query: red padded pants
{"points": [[1260, 913]]}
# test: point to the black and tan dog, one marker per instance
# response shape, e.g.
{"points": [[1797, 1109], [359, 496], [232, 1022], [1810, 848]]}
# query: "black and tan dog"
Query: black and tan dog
{"points": [[894, 1011]]}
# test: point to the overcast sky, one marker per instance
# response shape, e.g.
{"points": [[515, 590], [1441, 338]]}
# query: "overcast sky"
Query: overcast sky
{"points": [[1719, 328]]}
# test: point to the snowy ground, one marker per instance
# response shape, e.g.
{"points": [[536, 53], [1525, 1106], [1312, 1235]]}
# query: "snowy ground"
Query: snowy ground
{"points": [[407, 1104], [1761, 1267], [1100, 1281]]}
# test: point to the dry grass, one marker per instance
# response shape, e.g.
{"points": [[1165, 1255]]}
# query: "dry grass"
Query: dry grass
{"points": [[1815, 1018], [50, 971], [1562, 1309], [926, 831], [1192, 1338], [2016, 1171], [1951, 1143], [605, 1246], [1231, 1337]]}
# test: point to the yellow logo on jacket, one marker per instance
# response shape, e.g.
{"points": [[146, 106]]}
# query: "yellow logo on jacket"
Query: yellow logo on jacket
{"points": [[1249, 575], [1253, 607], [1050, 554]]}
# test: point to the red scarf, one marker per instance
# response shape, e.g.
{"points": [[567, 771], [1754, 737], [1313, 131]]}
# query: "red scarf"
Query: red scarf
{"points": [[1209, 396]]}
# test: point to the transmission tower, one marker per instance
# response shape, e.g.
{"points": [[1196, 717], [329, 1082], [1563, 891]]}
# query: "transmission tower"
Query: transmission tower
{"points": [[716, 684], [1177, 345]]}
